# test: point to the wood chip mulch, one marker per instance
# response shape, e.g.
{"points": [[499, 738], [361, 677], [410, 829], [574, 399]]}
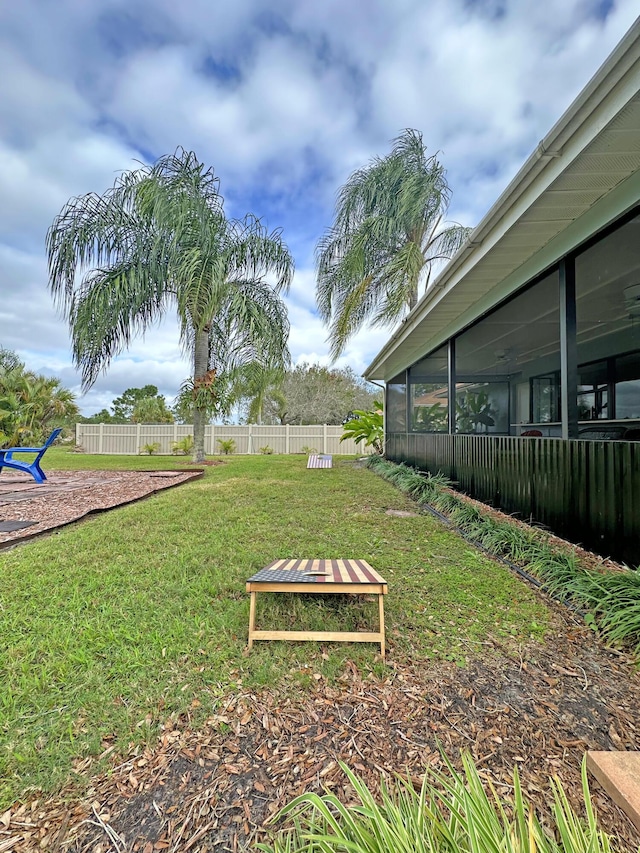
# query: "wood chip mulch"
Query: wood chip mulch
{"points": [[213, 787], [68, 496]]}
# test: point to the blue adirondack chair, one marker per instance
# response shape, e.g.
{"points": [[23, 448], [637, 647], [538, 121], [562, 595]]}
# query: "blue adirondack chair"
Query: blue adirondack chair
{"points": [[33, 468]]}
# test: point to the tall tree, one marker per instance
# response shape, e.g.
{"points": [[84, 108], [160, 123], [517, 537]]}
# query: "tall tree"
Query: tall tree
{"points": [[9, 361], [124, 405], [257, 387], [314, 394], [152, 410], [387, 234], [159, 238]]}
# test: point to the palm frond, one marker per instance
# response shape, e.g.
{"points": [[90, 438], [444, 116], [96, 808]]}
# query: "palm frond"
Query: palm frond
{"points": [[386, 232]]}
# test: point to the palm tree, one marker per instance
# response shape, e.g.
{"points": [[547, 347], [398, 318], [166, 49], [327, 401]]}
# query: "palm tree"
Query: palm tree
{"points": [[159, 238], [387, 234], [31, 405], [256, 386]]}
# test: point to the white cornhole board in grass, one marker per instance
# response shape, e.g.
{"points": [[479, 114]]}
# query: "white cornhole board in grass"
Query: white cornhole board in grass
{"points": [[320, 460]]}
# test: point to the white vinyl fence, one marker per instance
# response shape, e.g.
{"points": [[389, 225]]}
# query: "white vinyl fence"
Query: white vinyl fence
{"points": [[131, 438]]}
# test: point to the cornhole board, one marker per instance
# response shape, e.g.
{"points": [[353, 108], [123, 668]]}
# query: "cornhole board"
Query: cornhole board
{"points": [[320, 577], [320, 460]]}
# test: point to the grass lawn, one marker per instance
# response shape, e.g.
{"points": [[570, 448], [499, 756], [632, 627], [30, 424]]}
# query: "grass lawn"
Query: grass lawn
{"points": [[117, 622]]}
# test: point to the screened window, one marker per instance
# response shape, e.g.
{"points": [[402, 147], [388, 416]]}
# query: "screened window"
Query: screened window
{"points": [[627, 386], [482, 407], [545, 399], [506, 363], [608, 325], [396, 415], [428, 393], [593, 391]]}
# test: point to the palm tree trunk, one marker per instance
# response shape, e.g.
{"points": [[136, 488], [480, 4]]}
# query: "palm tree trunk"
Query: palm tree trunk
{"points": [[200, 367]]}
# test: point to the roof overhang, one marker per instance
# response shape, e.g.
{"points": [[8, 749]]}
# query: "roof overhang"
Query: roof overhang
{"points": [[584, 174]]}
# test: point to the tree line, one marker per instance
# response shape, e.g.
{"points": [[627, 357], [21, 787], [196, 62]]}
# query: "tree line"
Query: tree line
{"points": [[306, 394], [31, 405]]}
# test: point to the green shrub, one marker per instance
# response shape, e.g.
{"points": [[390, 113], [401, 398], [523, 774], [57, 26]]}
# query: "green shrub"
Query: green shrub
{"points": [[367, 427], [612, 598], [451, 812], [266, 450], [150, 449], [184, 446], [227, 445]]}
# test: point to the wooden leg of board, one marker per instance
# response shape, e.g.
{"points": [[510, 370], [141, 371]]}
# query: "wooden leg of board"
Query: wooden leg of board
{"points": [[252, 618], [381, 610]]}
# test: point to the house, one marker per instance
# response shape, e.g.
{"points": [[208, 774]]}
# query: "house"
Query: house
{"points": [[518, 372]]}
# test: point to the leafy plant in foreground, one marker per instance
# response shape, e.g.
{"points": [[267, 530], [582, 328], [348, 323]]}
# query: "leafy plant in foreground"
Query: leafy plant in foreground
{"points": [[451, 812], [367, 427]]}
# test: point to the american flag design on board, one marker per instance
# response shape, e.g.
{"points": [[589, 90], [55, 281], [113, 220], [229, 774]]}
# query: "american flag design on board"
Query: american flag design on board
{"points": [[317, 571]]}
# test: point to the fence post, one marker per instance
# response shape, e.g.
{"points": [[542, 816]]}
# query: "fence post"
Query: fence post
{"points": [[138, 437], [286, 439], [250, 441], [213, 439], [324, 438], [100, 437]]}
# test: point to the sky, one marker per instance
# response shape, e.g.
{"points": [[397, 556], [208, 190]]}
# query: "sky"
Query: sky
{"points": [[284, 101]]}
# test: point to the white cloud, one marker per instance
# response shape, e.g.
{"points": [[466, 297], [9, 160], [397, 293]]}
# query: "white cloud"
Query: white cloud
{"points": [[284, 102]]}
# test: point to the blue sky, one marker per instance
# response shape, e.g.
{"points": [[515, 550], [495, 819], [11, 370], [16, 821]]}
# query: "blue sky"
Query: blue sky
{"points": [[284, 103]]}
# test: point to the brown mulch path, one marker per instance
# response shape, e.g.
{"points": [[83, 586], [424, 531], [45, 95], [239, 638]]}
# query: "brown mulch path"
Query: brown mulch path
{"points": [[539, 706], [67, 496]]}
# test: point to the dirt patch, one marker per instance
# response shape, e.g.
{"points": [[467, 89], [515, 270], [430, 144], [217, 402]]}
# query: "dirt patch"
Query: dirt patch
{"points": [[539, 706], [67, 496]]}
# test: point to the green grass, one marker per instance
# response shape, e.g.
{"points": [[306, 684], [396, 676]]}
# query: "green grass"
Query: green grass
{"points": [[113, 624]]}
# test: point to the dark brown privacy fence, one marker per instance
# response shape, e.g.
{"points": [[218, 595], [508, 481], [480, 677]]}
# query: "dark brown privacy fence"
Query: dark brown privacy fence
{"points": [[585, 491]]}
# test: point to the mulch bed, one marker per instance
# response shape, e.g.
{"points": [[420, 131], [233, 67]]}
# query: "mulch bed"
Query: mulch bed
{"points": [[68, 496], [539, 706]]}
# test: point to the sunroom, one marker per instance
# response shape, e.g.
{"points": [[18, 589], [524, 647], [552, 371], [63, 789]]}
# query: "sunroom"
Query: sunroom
{"points": [[518, 373]]}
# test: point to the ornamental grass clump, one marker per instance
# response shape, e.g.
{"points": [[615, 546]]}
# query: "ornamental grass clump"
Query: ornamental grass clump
{"points": [[611, 598], [451, 812]]}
